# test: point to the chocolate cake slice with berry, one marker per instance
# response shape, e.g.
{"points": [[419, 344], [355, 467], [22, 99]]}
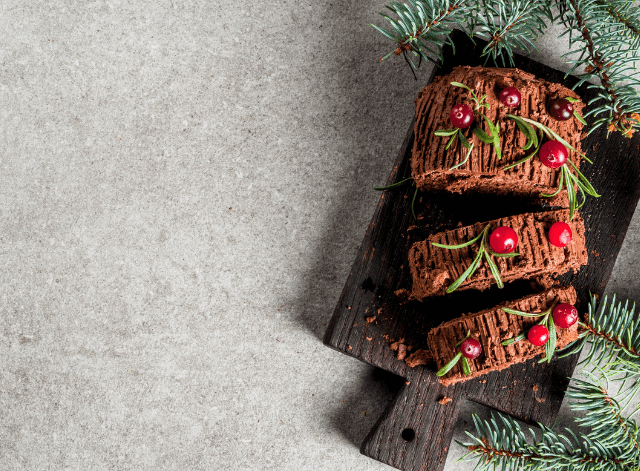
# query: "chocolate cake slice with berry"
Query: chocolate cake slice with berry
{"points": [[500, 131], [527, 246], [499, 337]]}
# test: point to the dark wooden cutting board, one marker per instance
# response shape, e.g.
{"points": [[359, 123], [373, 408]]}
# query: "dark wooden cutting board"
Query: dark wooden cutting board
{"points": [[415, 431]]}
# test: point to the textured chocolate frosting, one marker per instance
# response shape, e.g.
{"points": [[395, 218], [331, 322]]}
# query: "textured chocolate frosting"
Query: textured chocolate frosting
{"points": [[434, 269], [430, 162], [490, 327]]}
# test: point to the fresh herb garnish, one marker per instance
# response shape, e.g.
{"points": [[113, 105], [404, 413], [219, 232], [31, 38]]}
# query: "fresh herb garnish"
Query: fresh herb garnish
{"points": [[485, 249], [398, 184], [546, 321], [466, 370]]}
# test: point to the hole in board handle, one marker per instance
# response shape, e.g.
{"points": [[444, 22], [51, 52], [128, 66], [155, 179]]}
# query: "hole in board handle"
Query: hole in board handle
{"points": [[408, 434]]}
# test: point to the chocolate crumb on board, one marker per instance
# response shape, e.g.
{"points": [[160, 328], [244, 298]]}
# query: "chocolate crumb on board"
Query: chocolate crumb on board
{"points": [[370, 319], [445, 400]]}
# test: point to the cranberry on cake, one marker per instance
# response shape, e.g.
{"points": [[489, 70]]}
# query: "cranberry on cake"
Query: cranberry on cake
{"points": [[495, 252], [490, 328], [475, 161]]}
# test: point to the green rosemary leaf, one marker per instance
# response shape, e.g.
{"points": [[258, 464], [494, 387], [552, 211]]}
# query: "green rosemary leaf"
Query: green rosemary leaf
{"points": [[521, 313], [494, 270], [561, 181], [449, 366], [413, 201], [446, 132], [550, 346], [483, 136], [572, 100], [466, 157], [579, 118], [587, 186], [465, 367], [465, 338], [527, 130], [521, 161], [468, 272], [461, 85], [571, 195], [464, 141], [514, 339], [453, 138], [380, 188], [496, 138], [453, 247]]}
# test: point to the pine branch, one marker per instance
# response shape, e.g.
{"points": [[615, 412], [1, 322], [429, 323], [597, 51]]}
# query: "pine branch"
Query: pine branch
{"points": [[612, 335], [506, 448], [508, 26], [608, 57], [604, 415], [626, 14], [423, 27]]}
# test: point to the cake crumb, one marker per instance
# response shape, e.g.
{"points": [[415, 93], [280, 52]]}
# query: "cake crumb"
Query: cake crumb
{"points": [[369, 339], [407, 383], [535, 387], [370, 319], [445, 400], [349, 347], [419, 357]]}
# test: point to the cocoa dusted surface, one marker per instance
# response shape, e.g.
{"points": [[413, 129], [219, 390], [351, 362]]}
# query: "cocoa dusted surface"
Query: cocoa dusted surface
{"points": [[490, 327], [430, 162], [434, 269]]}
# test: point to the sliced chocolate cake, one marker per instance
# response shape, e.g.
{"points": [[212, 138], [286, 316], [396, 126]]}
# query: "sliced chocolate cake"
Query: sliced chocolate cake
{"points": [[435, 269], [491, 327], [432, 163]]}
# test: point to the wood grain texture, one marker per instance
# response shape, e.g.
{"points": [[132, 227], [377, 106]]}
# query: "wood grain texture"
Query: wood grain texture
{"points": [[381, 268]]}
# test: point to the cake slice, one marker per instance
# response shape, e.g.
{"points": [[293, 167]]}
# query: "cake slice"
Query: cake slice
{"points": [[431, 162], [492, 326], [434, 269]]}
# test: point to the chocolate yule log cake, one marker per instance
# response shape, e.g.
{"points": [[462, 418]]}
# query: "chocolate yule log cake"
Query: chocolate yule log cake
{"points": [[491, 328], [433, 165], [436, 270]]}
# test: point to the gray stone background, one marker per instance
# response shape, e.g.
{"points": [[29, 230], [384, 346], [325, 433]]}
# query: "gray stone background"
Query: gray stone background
{"points": [[183, 187]]}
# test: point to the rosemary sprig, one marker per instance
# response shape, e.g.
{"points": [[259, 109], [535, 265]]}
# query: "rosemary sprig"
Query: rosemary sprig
{"points": [[575, 113], [485, 249], [574, 183], [551, 134], [465, 363], [528, 157], [480, 102], [398, 184], [547, 321]]}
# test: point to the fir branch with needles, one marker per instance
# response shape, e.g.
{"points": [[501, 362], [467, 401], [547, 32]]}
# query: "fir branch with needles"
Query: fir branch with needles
{"points": [[604, 37], [509, 26], [599, 47]]}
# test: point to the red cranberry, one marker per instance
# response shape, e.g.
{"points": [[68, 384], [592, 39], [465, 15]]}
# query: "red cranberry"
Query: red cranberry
{"points": [[553, 154], [538, 335], [510, 96], [503, 240], [560, 234], [461, 116], [471, 348], [561, 110], [565, 315]]}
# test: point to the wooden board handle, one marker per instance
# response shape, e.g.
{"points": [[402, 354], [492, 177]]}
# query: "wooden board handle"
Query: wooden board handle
{"points": [[414, 433]]}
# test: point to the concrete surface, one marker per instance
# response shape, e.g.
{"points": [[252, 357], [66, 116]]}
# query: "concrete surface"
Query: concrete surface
{"points": [[183, 189]]}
